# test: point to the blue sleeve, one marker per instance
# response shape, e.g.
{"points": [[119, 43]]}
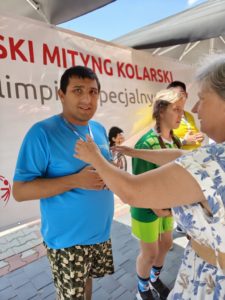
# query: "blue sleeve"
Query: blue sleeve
{"points": [[33, 156]]}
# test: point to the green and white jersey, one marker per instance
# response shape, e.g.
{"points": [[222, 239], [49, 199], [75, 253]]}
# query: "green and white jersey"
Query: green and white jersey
{"points": [[148, 141]]}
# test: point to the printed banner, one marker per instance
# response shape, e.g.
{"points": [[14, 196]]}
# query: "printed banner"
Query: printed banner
{"points": [[33, 57]]}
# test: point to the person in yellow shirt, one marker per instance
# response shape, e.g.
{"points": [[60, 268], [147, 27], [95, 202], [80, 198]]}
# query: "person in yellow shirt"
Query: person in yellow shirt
{"points": [[191, 138], [188, 133]]}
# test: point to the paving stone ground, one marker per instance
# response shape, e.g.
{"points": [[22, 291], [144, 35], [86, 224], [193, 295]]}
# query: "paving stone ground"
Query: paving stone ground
{"points": [[25, 273]]}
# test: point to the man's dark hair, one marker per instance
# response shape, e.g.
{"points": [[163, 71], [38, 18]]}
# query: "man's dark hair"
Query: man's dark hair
{"points": [[175, 84], [78, 71], [113, 132]]}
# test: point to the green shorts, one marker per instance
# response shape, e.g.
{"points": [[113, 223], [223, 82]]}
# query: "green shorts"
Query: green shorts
{"points": [[149, 232], [71, 267]]}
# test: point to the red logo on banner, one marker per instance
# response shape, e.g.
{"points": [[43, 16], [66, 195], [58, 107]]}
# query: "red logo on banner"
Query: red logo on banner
{"points": [[5, 189]]}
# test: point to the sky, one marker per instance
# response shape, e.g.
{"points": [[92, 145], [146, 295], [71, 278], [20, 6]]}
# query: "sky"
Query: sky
{"points": [[123, 16]]}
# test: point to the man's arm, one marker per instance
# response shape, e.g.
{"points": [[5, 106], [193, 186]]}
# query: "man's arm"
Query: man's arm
{"points": [[87, 178]]}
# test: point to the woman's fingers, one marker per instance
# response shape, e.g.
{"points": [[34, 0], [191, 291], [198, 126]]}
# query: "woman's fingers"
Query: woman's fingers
{"points": [[78, 149], [85, 150], [88, 138]]}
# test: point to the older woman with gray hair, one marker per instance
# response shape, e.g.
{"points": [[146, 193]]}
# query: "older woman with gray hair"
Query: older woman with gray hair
{"points": [[192, 183]]}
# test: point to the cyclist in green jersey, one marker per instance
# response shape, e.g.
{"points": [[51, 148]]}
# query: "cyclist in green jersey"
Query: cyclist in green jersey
{"points": [[154, 228]]}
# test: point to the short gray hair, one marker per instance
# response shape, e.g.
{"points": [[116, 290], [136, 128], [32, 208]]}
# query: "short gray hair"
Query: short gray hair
{"points": [[213, 73]]}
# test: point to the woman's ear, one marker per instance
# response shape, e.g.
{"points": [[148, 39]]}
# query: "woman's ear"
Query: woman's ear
{"points": [[161, 113]]}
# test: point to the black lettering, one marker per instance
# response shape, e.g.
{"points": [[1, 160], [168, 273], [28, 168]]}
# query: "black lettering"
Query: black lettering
{"points": [[43, 94], [112, 95], [25, 88]]}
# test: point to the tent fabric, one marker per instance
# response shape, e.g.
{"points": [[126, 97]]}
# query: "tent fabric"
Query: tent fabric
{"points": [[51, 11], [199, 23]]}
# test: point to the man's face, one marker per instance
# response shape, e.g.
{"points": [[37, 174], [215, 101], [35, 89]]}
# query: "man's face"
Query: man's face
{"points": [[80, 100]]}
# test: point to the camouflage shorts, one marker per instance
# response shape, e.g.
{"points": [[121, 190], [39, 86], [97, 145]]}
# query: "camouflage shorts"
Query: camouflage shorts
{"points": [[71, 267]]}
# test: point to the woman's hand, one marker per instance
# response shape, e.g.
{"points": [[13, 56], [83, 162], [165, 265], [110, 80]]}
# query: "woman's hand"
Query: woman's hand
{"points": [[86, 150], [124, 150]]}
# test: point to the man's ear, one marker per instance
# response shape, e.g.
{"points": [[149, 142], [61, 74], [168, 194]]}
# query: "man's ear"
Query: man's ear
{"points": [[61, 95]]}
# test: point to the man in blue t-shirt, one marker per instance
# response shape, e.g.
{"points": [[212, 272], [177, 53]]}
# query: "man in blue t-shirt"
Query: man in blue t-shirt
{"points": [[76, 209]]}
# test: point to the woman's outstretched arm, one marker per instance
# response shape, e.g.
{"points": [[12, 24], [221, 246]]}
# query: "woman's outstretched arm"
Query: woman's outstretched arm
{"points": [[159, 157], [167, 186]]}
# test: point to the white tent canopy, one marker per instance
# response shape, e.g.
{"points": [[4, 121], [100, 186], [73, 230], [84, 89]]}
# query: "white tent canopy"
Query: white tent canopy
{"points": [[51, 11], [185, 36]]}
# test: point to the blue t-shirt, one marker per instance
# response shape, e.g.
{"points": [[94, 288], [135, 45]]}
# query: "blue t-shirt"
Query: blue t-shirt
{"points": [[78, 216]]}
